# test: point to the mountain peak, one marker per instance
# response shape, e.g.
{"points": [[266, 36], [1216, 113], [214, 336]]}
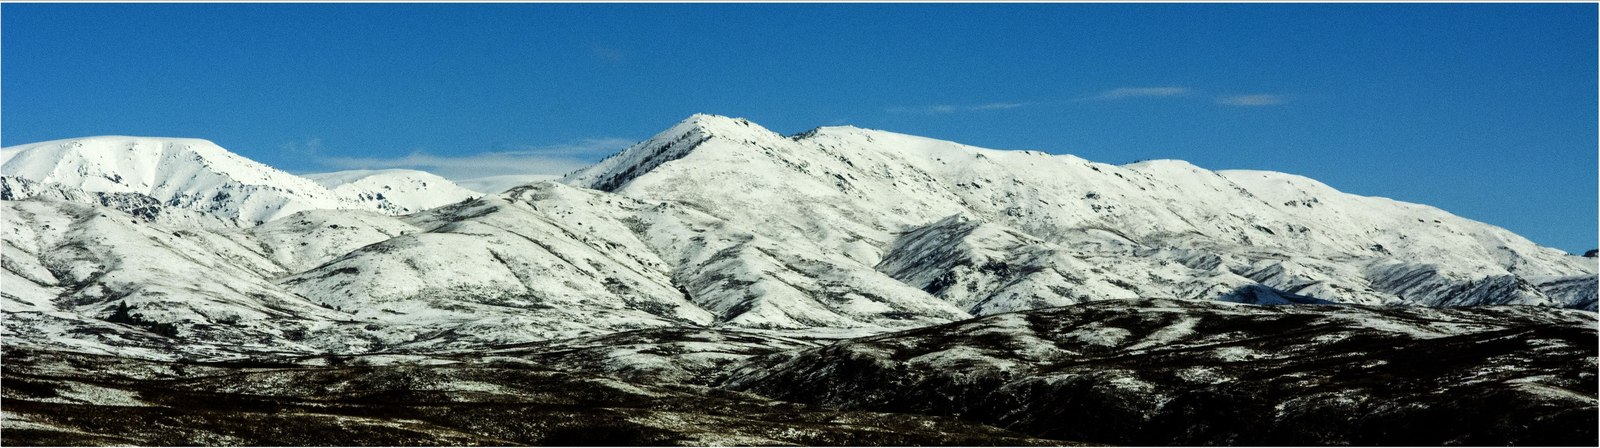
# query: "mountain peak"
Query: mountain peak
{"points": [[714, 120], [394, 191], [199, 175], [720, 126], [125, 139], [187, 172], [62, 147], [674, 143]]}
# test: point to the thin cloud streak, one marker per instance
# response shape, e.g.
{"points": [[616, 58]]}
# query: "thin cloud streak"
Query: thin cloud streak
{"points": [[943, 109], [1255, 100], [1109, 95], [1001, 106], [308, 148], [1117, 94], [1139, 92]]}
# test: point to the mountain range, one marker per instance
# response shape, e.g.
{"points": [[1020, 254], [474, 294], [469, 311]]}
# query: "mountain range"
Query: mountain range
{"points": [[714, 222], [842, 274]]}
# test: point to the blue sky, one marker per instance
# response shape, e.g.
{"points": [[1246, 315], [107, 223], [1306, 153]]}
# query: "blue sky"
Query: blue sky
{"points": [[1487, 111]]}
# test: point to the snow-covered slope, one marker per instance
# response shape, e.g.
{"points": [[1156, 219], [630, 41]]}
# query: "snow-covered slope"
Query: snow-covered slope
{"points": [[579, 262], [69, 266], [393, 192], [503, 270], [140, 207], [180, 172], [1071, 230], [311, 238], [197, 175]]}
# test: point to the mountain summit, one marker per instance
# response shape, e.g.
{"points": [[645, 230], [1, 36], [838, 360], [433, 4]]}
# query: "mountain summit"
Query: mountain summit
{"points": [[199, 176], [676, 142], [393, 192], [180, 172]]}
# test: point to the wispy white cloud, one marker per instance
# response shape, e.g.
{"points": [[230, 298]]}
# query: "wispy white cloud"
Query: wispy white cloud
{"points": [[924, 110], [552, 160], [1139, 92], [1121, 93], [1001, 106], [942, 109], [1254, 100], [306, 148]]}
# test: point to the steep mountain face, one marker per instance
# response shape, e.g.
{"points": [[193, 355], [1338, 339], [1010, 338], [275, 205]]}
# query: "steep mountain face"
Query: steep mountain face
{"points": [[393, 192], [1165, 372], [1580, 291], [140, 207]]}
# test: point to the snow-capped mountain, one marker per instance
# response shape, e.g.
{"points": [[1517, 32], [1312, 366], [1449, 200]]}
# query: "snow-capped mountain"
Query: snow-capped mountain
{"points": [[393, 192], [1040, 230], [179, 172], [714, 222], [719, 283], [198, 175]]}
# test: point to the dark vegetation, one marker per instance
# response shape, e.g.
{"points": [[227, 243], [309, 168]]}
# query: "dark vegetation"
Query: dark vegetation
{"points": [[412, 405], [1149, 372], [1297, 375], [123, 314]]}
